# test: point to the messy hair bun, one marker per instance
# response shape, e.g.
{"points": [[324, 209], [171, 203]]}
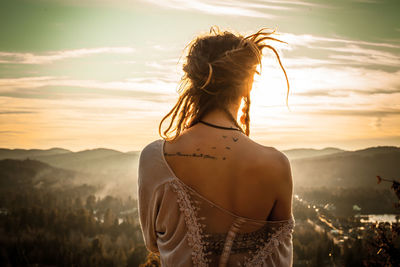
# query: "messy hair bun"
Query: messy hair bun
{"points": [[218, 66]]}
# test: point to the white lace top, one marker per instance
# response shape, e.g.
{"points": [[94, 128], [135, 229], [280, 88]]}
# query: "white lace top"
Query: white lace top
{"points": [[186, 229]]}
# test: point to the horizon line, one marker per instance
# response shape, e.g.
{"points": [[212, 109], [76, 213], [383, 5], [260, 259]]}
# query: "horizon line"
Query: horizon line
{"points": [[130, 151]]}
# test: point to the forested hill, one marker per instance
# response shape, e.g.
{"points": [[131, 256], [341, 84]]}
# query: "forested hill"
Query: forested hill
{"points": [[20, 175], [50, 217], [98, 161], [348, 169], [310, 152], [116, 172], [6, 153], [112, 171]]}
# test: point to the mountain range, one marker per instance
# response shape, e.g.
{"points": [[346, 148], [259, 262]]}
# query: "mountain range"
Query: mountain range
{"points": [[348, 168], [24, 175], [115, 172]]}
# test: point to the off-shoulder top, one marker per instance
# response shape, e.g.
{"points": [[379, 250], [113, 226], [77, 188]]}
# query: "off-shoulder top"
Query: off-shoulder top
{"points": [[187, 229]]}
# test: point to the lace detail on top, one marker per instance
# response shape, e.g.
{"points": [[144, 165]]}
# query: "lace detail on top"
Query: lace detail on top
{"points": [[244, 242], [195, 229], [258, 245], [267, 249]]}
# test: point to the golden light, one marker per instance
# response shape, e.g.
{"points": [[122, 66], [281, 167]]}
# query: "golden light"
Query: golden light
{"points": [[268, 95]]}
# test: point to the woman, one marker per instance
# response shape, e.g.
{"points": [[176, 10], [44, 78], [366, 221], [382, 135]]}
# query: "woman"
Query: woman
{"points": [[208, 195]]}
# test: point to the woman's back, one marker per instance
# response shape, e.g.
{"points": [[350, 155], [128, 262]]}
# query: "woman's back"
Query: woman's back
{"points": [[186, 228], [234, 172]]}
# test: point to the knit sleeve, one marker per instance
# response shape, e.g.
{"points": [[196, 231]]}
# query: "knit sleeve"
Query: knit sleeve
{"points": [[148, 208], [149, 200]]}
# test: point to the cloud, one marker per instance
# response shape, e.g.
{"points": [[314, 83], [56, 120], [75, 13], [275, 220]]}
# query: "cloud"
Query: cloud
{"points": [[25, 82], [332, 93], [234, 7], [215, 8], [48, 87], [336, 51], [355, 53], [308, 39], [345, 93], [372, 59], [309, 62], [376, 123], [50, 57], [368, 1], [295, 2], [11, 132], [79, 93], [16, 112], [341, 67], [377, 91], [331, 78], [128, 84], [356, 112]]}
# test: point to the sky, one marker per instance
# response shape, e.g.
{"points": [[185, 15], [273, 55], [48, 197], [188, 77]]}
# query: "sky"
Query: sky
{"points": [[97, 73]]}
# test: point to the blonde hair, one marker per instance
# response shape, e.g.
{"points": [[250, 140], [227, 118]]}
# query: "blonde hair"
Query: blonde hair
{"points": [[217, 67]]}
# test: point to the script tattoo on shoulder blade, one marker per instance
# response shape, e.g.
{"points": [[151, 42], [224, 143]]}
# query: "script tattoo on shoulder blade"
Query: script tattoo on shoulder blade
{"points": [[193, 155]]}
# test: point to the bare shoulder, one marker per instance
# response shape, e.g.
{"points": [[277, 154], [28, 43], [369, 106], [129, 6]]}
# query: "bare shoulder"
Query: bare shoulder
{"points": [[270, 150], [274, 163], [278, 157], [277, 174]]}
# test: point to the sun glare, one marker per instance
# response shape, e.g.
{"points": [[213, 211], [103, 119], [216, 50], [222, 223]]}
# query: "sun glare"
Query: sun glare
{"points": [[269, 88]]}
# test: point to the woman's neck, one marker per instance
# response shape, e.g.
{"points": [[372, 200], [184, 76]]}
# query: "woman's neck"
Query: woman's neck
{"points": [[219, 117]]}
